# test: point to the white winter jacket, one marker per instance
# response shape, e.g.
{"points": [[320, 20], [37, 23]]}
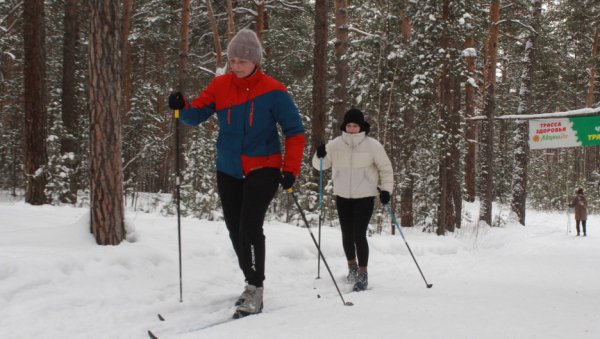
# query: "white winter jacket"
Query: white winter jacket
{"points": [[359, 165]]}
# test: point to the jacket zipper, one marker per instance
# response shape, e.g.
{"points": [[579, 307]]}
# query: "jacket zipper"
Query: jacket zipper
{"points": [[251, 112]]}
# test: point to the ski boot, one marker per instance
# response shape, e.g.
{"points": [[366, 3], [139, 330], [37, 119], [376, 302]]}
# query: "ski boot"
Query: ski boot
{"points": [[253, 304], [362, 282]]}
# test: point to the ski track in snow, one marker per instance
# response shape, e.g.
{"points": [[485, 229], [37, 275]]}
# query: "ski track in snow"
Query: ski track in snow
{"points": [[512, 282]]}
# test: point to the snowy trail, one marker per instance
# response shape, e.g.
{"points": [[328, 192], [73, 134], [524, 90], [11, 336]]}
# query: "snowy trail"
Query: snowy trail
{"points": [[511, 282]]}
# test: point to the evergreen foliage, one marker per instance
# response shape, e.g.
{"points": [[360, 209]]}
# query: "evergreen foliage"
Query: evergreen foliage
{"points": [[394, 75]]}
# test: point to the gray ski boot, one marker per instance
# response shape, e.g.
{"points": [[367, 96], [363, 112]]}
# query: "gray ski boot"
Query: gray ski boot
{"points": [[245, 295], [352, 274], [362, 282], [253, 304]]}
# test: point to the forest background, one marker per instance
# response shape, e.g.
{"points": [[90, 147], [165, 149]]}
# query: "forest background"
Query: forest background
{"points": [[419, 70]]}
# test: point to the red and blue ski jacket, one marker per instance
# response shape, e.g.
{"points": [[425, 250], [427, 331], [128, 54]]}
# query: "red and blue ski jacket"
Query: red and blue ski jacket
{"points": [[248, 111]]}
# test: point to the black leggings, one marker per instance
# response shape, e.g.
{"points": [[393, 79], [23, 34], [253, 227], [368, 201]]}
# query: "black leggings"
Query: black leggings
{"points": [[355, 215], [582, 224], [245, 203]]}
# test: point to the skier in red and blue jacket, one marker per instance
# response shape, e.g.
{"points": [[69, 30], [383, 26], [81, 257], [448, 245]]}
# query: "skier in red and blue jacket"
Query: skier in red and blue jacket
{"points": [[250, 164]]}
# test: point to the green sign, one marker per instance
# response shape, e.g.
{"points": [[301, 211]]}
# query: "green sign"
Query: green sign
{"points": [[564, 132]]}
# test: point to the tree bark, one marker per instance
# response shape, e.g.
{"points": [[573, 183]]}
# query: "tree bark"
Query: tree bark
{"points": [[519, 190], [487, 137], [340, 102], [319, 91], [70, 113], [592, 81], [184, 44], [106, 176], [592, 153], [408, 179], [449, 156], [36, 157], [230, 21], [471, 128], [215, 31], [260, 20], [127, 91]]}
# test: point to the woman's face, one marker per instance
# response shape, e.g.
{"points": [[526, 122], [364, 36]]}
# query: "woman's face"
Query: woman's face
{"points": [[352, 128], [241, 67]]}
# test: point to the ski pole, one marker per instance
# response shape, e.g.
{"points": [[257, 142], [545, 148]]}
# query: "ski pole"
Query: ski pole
{"points": [[346, 303], [387, 206], [320, 214], [177, 198]]}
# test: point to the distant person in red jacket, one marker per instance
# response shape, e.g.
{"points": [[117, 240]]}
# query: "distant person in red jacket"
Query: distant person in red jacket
{"points": [[580, 205], [250, 165]]}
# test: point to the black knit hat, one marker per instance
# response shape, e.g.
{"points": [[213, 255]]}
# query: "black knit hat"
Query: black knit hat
{"points": [[356, 116]]}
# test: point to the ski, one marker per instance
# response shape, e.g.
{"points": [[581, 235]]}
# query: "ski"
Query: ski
{"points": [[151, 334], [242, 314]]}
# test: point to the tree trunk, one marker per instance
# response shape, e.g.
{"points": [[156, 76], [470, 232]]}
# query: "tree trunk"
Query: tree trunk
{"points": [[592, 81], [260, 20], [408, 179], [591, 153], [340, 101], [449, 99], [106, 176], [519, 190], [70, 112], [36, 157], [127, 91], [487, 131], [471, 127], [230, 21], [184, 45], [319, 90], [12, 122], [215, 31]]}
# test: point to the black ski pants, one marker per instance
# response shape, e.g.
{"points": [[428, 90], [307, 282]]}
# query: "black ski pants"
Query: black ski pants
{"points": [[355, 215], [245, 203], [582, 224]]}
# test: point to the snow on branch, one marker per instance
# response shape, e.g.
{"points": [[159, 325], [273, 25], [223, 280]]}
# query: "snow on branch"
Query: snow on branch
{"points": [[367, 34], [242, 10], [565, 114], [528, 27]]}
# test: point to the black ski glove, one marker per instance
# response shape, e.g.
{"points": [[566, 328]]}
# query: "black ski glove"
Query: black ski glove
{"points": [[384, 197], [321, 152], [176, 100], [287, 180]]}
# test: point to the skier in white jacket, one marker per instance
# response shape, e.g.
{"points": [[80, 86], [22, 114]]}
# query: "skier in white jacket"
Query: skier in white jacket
{"points": [[361, 170]]}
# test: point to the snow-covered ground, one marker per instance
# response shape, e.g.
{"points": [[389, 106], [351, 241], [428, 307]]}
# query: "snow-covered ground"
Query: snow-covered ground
{"points": [[510, 282]]}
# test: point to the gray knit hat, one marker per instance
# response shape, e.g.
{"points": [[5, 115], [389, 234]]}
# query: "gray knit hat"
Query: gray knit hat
{"points": [[245, 45]]}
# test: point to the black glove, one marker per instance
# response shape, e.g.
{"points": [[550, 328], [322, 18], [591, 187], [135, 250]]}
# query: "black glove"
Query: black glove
{"points": [[321, 152], [287, 180], [176, 100], [384, 197]]}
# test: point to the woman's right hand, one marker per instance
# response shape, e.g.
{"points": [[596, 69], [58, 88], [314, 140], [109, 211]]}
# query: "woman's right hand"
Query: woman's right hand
{"points": [[176, 101]]}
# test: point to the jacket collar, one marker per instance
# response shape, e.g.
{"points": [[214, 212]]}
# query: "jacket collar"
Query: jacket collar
{"points": [[353, 140], [248, 82]]}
